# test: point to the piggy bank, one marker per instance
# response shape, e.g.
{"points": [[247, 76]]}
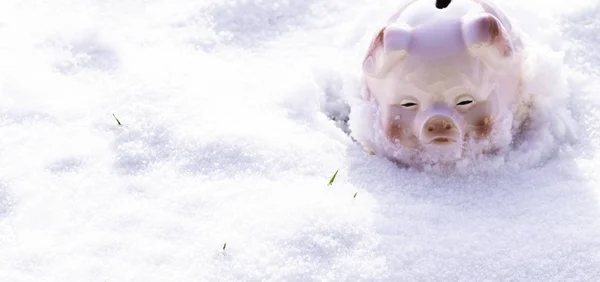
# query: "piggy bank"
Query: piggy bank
{"points": [[441, 83]]}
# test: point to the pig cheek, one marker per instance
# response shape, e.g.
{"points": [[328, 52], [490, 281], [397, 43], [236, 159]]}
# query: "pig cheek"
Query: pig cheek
{"points": [[399, 134], [482, 128], [397, 126], [394, 132]]}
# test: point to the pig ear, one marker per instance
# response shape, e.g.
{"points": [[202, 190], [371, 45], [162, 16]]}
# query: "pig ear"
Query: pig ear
{"points": [[387, 48], [485, 30]]}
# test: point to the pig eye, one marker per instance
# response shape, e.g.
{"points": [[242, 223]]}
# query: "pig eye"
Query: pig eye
{"points": [[465, 102], [409, 104]]}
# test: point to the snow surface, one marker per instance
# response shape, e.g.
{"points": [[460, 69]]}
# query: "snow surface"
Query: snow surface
{"points": [[226, 138]]}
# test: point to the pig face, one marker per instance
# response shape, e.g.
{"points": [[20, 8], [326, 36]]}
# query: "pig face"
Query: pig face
{"points": [[438, 84], [438, 104]]}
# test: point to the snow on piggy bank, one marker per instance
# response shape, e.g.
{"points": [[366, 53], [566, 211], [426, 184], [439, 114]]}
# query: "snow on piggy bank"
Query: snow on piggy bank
{"points": [[441, 84]]}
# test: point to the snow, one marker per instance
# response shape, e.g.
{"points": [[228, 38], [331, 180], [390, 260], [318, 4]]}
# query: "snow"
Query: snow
{"points": [[226, 138]]}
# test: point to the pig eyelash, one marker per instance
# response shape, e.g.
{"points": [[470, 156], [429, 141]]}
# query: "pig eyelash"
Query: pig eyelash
{"points": [[465, 102]]}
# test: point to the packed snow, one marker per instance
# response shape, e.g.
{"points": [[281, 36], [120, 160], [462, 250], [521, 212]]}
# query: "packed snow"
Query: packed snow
{"points": [[232, 123]]}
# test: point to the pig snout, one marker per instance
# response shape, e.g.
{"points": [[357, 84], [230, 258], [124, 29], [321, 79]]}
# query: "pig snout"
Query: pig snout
{"points": [[440, 130]]}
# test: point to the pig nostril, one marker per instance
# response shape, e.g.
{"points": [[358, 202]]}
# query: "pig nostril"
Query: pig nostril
{"points": [[448, 126], [430, 128]]}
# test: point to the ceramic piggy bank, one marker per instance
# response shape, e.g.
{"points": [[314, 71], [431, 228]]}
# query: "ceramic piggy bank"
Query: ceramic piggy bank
{"points": [[442, 83]]}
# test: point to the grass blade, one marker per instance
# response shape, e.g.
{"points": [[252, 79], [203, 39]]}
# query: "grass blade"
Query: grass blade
{"points": [[116, 119], [333, 178]]}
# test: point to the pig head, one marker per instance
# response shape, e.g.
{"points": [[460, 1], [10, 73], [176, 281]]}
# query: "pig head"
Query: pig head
{"points": [[440, 77]]}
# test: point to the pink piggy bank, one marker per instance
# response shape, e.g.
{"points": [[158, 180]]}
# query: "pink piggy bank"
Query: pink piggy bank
{"points": [[442, 83]]}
